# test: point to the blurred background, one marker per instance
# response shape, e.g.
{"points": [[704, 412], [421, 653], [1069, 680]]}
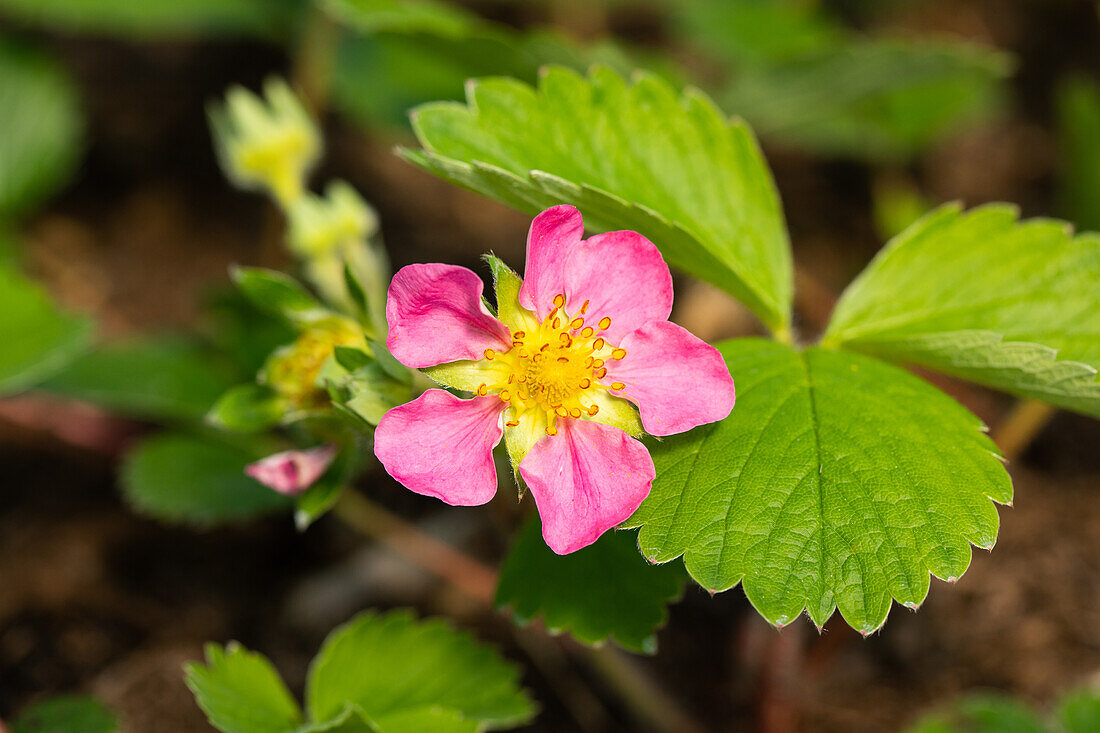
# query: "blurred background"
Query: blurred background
{"points": [[869, 112]]}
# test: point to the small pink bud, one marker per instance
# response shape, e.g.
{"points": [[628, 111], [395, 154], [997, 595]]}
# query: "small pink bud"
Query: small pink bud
{"points": [[292, 472]]}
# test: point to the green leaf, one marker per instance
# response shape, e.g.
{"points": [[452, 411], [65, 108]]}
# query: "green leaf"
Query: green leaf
{"points": [[165, 378], [878, 99], [630, 156], [1079, 712], [66, 714], [372, 16], [241, 692], [606, 590], [983, 714], [248, 408], [181, 478], [750, 31], [980, 295], [838, 481], [38, 338], [40, 129], [244, 333], [1079, 135], [352, 720], [394, 664], [274, 292], [155, 18], [436, 720]]}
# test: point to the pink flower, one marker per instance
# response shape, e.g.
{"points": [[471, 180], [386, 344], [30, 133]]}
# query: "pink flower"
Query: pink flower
{"points": [[558, 372], [292, 472]]}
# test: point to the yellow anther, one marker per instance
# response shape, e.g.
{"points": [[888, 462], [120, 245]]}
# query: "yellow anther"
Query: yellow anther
{"points": [[601, 373], [597, 363], [598, 344], [584, 307], [557, 323], [618, 354], [617, 386], [605, 323], [512, 424], [592, 410], [482, 389], [551, 430], [519, 335], [505, 395], [489, 354], [575, 413], [588, 331], [559, 300], [586, 383], [576, 323]]}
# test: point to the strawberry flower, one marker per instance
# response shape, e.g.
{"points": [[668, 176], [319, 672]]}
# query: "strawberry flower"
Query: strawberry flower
{"points": [[575, 347]]}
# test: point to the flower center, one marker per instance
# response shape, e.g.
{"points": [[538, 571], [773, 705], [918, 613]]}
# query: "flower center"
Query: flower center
{"points": [[557, 368]]}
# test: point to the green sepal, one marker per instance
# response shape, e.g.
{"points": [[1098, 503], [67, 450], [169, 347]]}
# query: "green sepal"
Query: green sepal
{"points": [[274, 292], [248, 408]]}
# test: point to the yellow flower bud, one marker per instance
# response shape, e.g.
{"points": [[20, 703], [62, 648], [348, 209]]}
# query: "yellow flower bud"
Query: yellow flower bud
{"points": [[292, 370], [323, 225], [269, 143]]}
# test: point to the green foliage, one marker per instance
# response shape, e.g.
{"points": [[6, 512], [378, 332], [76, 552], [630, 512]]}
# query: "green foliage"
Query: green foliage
{"points": [[801, 77], [838, 481], [979, 295], [375, 674], [248, 408], [1077, 712], [66, 714], [278, 294], [241, 692], [394, 664], [1079, 123], [156, 18], [371, 16], [182, 478], [630, 156], [244, 333], [168, 378], [380, 77], [606, 590], [316, 501], [755, 32], [38, 338], [40, 129], [880, 99]]}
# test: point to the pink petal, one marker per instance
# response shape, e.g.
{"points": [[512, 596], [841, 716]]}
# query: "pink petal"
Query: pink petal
{"points": [[677, 380], [442, 446], [292, 472], [436, 315], [585, 480], [623, 277], [554, 234]]}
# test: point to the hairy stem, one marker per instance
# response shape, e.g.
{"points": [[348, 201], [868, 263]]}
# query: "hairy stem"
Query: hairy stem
{"points": [[1025, 421]]}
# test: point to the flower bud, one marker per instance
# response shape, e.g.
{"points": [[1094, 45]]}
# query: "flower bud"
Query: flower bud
{"points": [[269, 143], [292, 370], [323, 225]]}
